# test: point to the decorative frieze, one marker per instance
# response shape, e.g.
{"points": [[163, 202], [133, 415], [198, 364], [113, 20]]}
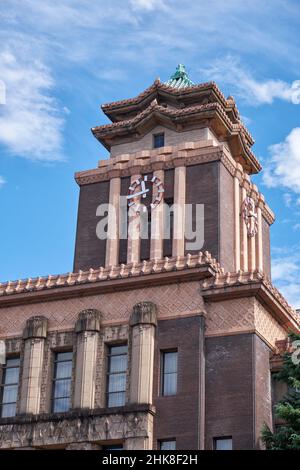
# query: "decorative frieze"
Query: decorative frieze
{"points": [[92, 427]]}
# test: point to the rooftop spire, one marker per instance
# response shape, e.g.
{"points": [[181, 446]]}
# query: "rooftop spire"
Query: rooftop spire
{"points": [[180, 78]]}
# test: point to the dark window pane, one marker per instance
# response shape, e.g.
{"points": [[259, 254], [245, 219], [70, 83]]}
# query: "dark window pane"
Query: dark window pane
{"points": [[113, 447], [170, 384], [63, 369], [116, 399], [118, 363], [62, 388], [158, 140], [61, 404], [62, 382], [116, 377], [64, 356], [170, 362], [9, 389], [12, 375], [13, 362], [223, 443], [8, 411], [10, 393], [169, 373], [116, 350], [117, 383], [168, 445]]}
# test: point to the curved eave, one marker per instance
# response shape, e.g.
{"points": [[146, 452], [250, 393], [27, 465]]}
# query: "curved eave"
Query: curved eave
{"points": [[140, 102], [174, 117]]}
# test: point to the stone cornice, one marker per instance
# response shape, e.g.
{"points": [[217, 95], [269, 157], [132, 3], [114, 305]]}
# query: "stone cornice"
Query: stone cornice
{"points": [[229, 105], [188, 153], [254, 283], [209, 110], [124, 276]]}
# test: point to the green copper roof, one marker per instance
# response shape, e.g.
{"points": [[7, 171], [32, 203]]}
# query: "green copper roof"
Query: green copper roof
{"points": [[180, 78]]}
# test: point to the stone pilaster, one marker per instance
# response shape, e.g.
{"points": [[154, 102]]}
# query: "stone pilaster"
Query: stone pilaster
{"points": [[157, 220], [34, 336], [259, 237], [133, 245], [112, 243], [244, 235], [237, 220], [143, 322], [179, 213], [252, 240], [87, 329]]}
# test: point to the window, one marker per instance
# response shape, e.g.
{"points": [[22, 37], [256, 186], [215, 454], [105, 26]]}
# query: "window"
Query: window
{"points": [[158, 140], [61, 400], [116, 375], [9, 387], [167, 445], [169, 373], [223, 443], [113, 447]]}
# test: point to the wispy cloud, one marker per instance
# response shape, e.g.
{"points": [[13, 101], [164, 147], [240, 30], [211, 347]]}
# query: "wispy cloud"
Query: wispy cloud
{"points": [[286, 273], [287, 198], [230, 72], [283, 166], [31, 122], [65, 38], [148, 4], [2, 181]]}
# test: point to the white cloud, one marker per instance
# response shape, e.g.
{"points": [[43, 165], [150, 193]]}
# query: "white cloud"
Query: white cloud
{"points": [[228, 71], [287, 198], [286, 273], [296, 227], [147, 4], [31, 122], [283, 167], [2, 181]]}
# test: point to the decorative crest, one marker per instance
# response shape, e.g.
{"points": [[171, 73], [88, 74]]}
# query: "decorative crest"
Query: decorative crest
{"points": [[180, 78]]}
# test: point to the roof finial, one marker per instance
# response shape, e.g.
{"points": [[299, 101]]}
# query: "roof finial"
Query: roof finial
{"points": [[180, 78]]}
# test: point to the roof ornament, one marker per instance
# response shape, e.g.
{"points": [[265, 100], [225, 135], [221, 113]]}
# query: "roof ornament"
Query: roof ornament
{"points": [[180, 78]]}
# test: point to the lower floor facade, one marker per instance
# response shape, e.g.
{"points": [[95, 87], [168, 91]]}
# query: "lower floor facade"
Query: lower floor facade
{"points": [[167, 365]]}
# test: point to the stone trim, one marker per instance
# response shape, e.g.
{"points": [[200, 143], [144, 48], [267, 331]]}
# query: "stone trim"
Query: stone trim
{"points": [[88, 320], [144, 313], [188, 153], [248, 284], [111, 273], [36, 327], [66, 428]]}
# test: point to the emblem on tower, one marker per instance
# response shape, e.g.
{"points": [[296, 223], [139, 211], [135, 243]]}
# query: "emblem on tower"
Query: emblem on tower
{"points": [[250, 216]]}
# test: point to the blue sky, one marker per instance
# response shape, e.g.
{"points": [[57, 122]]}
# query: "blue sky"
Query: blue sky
{"points": [[60, 59]]}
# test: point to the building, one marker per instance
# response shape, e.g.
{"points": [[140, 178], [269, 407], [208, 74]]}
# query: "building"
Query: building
{"points": [[152, 342]]}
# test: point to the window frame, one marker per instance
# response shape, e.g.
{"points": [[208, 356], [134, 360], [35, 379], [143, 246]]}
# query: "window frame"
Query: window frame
{"points": [[109, 374], [55, 380], [155, 136], [162, 441], [3, 385], [222, 438], [162, 373]]}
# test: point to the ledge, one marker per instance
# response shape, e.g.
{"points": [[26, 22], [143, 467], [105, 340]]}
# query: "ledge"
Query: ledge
{"points": [[111, 279]]}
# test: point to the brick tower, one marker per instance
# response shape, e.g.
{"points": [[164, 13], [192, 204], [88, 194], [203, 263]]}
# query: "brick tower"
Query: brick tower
{"points": [[158, 338]]}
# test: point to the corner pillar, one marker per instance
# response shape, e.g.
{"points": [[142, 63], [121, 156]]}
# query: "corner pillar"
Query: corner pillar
{"points": [[34, 336], [143, 322], [87, 329]]}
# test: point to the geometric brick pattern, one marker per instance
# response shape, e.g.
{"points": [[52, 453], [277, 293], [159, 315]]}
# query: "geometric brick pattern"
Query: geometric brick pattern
{"points": [[173, 300]]}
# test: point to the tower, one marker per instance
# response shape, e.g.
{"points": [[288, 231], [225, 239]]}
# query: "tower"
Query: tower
{"points": [[163, 336]]}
